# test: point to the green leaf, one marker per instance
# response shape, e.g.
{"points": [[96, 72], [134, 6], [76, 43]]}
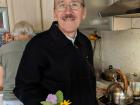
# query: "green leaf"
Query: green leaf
{"points": [[45, 103], [59, 95]]}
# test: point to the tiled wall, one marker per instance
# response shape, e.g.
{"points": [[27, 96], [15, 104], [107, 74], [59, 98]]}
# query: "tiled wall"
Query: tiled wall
{"points": [[120, 49]]}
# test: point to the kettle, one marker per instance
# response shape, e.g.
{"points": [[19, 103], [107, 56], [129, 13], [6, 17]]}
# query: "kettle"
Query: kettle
{"points": [[118, 94], [109, 73]]}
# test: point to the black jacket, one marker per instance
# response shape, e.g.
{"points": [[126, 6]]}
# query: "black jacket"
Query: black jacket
{"points": [[51, 62]]}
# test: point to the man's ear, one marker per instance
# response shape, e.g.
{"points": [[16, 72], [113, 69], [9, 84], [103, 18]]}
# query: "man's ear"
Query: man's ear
{"points": [[84, 14]]}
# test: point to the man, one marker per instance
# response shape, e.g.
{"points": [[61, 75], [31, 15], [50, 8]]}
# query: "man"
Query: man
{"points": [[60, 58], [10, 55]]}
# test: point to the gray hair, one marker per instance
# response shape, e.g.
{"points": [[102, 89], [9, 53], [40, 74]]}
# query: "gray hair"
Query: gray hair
{"points": [[23, 28]]}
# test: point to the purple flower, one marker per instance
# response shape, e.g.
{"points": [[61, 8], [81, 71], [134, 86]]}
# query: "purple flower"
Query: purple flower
{"points": [[52, 98]]}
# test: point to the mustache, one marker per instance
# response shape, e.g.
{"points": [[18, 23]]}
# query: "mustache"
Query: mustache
{"points": [[68, 16]]}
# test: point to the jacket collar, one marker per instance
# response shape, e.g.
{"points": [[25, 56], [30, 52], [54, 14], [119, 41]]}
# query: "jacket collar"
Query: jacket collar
{"points": [[59, 35]]}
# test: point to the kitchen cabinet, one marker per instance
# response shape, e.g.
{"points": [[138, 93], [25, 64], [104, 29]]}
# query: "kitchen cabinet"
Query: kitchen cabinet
{"points": [[3, 3], [135, 23], [27, 10], [120, 23]]}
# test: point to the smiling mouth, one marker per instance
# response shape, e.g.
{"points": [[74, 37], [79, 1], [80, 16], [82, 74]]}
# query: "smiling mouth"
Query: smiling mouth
{"points": [[68, 17]]}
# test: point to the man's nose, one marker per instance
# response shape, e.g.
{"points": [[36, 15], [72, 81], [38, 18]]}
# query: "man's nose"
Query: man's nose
{"points": [[68, 9]]}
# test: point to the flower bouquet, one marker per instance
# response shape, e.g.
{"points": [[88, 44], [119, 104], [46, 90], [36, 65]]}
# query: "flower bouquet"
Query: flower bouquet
{"points": [[56, 99]]}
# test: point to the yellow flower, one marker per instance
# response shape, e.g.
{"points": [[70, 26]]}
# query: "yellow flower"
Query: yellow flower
{"points": [[65, 102]]}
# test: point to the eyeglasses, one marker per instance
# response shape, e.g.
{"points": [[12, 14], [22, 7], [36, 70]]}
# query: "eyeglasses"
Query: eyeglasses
{"points": [[72, 5]]}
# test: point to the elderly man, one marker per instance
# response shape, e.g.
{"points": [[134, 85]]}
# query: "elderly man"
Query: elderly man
{"points": [[60, 58], [10, 55]]}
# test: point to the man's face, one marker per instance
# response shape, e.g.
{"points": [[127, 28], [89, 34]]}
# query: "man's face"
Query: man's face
{"points": [[69, 14]]}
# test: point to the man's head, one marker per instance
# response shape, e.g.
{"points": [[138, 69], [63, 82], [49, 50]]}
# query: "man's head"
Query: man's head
{"points": [[22, 30], [69, 14]]}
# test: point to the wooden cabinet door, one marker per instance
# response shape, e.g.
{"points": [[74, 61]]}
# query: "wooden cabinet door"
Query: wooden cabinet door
{"points": [[47, 13], [3, 3], [27, 10]]}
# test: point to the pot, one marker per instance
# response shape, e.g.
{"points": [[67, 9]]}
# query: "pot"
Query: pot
{"points": [[109, 73], [118, 94]]}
